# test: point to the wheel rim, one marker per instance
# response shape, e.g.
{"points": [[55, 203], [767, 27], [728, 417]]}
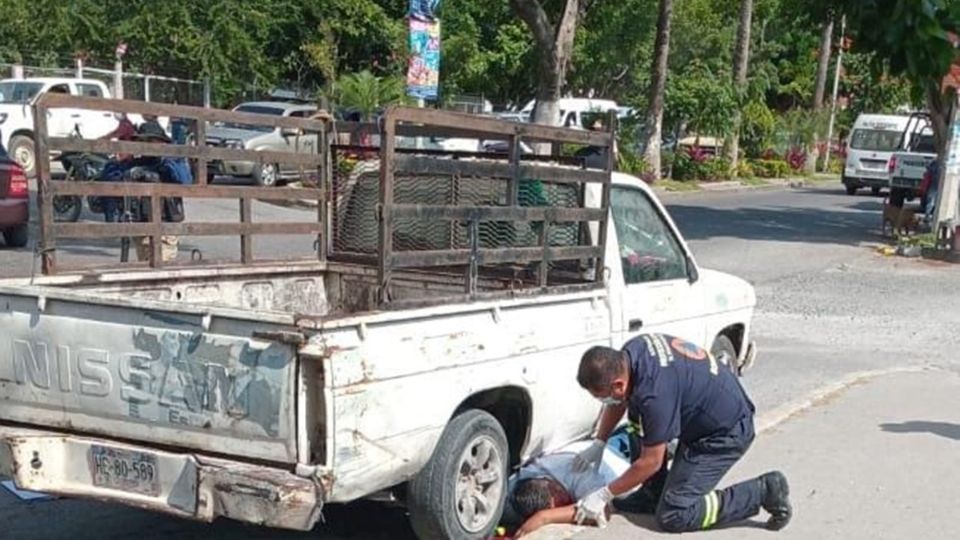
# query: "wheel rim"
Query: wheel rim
{"points": [[479, 484], [65, 205], [24, 157], [268, 175]]}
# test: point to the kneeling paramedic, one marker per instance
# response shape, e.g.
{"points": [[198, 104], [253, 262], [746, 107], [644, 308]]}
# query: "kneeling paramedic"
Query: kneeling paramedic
{"points": [[678, 391]]}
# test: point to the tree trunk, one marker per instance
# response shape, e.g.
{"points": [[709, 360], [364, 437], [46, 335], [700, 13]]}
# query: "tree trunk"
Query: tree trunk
{"points": [[820, 90], [555, 49], [658, 85], [741, 63]]}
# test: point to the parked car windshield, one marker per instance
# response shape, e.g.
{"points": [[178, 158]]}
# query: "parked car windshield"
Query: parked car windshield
{"points": [[254, 109], [19, 92], [875, 140]]}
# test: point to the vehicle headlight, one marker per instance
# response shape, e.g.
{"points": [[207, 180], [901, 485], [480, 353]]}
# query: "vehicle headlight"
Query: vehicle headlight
{"points": [[3, 117]]}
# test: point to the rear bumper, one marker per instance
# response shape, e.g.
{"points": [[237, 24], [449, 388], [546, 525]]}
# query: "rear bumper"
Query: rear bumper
{"points": [[906, 183], [189, 486], [865, 181], [14, 212]]}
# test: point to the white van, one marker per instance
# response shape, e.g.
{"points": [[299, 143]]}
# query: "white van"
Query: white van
{"points": [[574, 110], [874, 139]]}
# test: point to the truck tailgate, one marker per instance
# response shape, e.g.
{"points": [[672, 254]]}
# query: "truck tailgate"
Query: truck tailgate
{"points": [[145, 371]]}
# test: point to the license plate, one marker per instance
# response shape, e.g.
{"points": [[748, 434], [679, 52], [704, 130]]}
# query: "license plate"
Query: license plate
{"points": [[124, 470]]}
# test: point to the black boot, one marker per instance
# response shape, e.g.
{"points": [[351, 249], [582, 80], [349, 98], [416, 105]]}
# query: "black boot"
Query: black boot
{"points": [[776, 499]]}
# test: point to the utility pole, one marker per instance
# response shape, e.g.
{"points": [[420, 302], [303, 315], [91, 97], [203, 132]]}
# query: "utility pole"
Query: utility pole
{"points": [[948, 196], [118, 70], [836, 91]]}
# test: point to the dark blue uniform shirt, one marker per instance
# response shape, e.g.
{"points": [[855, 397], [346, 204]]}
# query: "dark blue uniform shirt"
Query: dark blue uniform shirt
{"points": [[679, 391]]}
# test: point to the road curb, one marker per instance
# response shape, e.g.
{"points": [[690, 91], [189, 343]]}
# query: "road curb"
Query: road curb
{"points": [[770, 420], [793, 183]]}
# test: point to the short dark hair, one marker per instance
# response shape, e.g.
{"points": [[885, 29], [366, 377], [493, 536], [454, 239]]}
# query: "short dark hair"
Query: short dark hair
{"points": [[532, 496], [599, 367]]}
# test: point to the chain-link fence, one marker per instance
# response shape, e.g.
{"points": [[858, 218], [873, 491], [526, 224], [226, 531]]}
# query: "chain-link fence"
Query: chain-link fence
{"points": [[356, 192], [136, 86]]}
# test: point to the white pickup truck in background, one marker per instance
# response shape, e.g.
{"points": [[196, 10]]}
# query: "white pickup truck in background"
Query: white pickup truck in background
{"points": [[262, 393], [17, 132], [908, 166]]}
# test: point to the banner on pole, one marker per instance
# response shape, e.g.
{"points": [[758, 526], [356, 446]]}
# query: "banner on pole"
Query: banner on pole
{"points": [[424, 9], [423, 73]]}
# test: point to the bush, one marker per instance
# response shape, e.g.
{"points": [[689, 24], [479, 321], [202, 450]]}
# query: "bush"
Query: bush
{"points": [[717, 169], [797, 158], [631, 162], [758, 127], [697, 166], [770, 168], [685, 168], [745, 169]]}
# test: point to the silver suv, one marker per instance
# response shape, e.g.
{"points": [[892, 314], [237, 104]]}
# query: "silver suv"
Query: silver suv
{"points": [[247, 137]]}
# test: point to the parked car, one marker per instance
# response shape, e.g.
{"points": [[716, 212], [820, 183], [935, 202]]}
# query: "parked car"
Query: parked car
{"points": [[14, 202], [248, 137]]}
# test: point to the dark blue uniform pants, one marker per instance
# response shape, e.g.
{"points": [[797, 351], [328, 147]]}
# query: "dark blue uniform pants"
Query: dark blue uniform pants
{"points": [[690, 501]]}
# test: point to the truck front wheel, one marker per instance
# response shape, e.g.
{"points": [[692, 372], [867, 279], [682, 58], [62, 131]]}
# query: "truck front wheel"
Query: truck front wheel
{"points": [[459, 494]]}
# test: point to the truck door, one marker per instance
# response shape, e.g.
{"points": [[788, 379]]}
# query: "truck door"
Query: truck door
{"points": [[300, 144], [61, 122], [94, 124], [659, 293]]}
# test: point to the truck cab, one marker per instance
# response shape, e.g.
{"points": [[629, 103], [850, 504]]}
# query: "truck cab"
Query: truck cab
{"points": [[17, 97]]}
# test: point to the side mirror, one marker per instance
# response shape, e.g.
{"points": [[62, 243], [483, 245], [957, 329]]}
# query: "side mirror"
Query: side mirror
{"points": [[693, 275], [289, 132]]}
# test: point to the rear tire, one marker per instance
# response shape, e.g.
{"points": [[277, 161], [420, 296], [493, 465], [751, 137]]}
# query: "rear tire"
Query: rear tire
{"points": [[23, 151], [17, 237], [851, 189], [875, 190], [459, 494]]}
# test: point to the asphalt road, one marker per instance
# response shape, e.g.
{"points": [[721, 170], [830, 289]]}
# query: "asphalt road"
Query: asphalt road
{"points": [[828, 306]]}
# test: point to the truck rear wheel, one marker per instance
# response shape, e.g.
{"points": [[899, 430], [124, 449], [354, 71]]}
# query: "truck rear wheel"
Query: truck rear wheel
{"points": [[459, 494], [22, 151]]}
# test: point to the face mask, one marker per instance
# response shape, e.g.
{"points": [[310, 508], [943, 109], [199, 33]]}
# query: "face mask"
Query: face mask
{"points": [[611, 401]]}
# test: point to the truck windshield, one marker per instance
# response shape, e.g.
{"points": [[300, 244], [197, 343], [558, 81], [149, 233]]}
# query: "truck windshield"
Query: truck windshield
{"points": [[18, 91], [875, 140]]}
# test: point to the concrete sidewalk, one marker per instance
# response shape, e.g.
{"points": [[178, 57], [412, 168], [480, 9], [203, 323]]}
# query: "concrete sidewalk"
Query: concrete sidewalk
{"points": [[880, 460]]}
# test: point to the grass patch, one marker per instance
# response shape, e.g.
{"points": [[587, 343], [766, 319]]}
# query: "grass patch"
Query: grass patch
{"points": [[753, 181], [674, 185], [825, 178]]}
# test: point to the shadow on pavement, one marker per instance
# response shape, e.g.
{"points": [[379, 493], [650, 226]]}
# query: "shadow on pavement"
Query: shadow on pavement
{"points": [[847, 226], [943, 429], [648, 522]]}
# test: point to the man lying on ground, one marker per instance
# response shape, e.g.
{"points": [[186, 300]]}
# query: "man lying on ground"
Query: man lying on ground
{"points": [[545, 491]]}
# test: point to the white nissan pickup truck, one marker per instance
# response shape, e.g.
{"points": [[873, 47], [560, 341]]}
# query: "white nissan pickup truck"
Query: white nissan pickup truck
{"points": [[263, 393]]}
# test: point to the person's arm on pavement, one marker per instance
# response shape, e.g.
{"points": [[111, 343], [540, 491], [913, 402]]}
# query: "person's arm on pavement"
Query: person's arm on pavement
{"points": [[563, 515], [650, 460], [560, 515]]}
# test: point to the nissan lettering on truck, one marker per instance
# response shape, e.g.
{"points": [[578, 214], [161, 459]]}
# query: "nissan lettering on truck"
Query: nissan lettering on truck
{"points": [[428, 346]]}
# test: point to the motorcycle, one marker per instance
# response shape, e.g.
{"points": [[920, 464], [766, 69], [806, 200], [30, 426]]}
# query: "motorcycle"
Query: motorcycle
{"points": [[79, 167]]}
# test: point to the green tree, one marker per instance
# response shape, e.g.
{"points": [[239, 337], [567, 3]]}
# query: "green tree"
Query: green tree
{"points": [[366, 93]]}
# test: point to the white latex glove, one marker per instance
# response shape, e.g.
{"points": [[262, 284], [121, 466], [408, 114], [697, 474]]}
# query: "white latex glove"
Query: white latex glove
{"points": [[593, 507], [589, 457]]}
